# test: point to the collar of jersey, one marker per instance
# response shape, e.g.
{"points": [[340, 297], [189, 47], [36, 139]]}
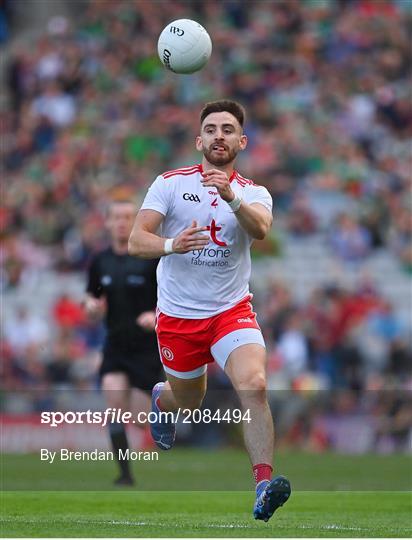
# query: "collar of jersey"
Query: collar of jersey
{"points": [[232, 176]]}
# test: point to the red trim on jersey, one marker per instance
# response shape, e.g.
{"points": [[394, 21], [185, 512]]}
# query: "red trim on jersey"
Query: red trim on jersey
{"points": [[244, 181], [188, 167], [195, 171], [232, 176], [185, 171], [247, 180]]}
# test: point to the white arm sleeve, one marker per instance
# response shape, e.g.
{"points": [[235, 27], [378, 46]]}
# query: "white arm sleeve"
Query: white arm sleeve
{"points": [[159, 196], [258, 194]]}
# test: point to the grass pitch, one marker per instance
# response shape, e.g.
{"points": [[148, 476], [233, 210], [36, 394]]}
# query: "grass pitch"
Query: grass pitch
{"points": [[132, 512], [203, 514]]}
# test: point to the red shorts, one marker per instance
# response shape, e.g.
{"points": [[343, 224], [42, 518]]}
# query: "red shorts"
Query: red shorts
{"points": [[185, 344]]}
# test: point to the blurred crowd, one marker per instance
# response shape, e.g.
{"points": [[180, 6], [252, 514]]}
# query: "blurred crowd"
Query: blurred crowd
{"points": [[92, 114], [326, 85]]}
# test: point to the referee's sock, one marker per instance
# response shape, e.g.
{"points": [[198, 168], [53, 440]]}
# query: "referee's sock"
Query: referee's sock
{"points": [[120, 445]]}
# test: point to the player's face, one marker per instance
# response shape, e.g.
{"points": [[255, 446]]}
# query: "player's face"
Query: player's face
{"points": [[221, 138], [120, 221]]}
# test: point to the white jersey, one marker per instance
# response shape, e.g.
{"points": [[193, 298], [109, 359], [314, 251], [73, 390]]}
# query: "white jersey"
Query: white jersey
{"points": [[203, 282]]}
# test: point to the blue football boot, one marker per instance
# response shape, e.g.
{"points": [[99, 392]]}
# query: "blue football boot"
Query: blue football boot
{"points": [[163, 430], [270, 495]]}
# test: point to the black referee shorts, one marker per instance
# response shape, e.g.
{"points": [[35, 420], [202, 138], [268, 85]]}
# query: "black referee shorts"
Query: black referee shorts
{"points": [[144, 370]]}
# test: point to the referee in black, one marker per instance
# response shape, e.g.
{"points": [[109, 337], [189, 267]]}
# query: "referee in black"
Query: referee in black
{"points": [[122, 290]]}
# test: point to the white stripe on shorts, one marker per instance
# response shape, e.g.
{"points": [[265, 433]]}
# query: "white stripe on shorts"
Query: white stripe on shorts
{"points": [[228, 343], [186, 374]]}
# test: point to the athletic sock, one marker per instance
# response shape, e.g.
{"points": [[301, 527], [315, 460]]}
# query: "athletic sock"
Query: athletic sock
{"points": [[262, 471], [119, 442]]}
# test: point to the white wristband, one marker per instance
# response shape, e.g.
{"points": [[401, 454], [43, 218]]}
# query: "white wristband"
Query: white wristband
{"points": [[168, 247], [235, 204]]}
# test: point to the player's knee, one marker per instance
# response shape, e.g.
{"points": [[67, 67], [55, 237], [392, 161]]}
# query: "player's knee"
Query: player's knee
{"points": [[255, 382]]}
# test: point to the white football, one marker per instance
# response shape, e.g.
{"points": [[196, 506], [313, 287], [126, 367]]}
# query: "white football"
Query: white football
{"points": [[184, 46]]}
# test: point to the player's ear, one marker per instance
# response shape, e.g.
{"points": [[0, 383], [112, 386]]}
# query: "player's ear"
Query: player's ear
{"points": [[243, 142], [199, 145]]}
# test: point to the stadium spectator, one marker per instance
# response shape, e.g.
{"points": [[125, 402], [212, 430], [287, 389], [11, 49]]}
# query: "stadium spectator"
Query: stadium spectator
{"points": [[349, 240], [67, 313], [301, 218], [292, 346], [24, 330], [55, 105]]}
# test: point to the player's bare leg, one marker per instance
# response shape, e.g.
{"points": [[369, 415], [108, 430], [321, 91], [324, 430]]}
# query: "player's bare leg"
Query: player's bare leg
{"points": [[184, 393], [167, 398], [246, 368], [116, 390]]}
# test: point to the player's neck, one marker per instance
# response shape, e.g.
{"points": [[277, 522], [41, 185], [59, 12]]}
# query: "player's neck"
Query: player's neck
{"points": [[228, 169], [120, 247]]}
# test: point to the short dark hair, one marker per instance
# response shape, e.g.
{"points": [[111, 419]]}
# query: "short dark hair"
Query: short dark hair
{"points": [[224, 105]]}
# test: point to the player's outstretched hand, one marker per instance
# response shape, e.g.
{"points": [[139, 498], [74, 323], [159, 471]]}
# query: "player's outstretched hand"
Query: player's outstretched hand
{"points": [[189, 239]]}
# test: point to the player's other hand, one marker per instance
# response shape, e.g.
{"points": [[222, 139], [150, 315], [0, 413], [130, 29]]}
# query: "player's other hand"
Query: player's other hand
{"points": [[95, 307], [219, 180], [147, 321], [190, 239]]}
